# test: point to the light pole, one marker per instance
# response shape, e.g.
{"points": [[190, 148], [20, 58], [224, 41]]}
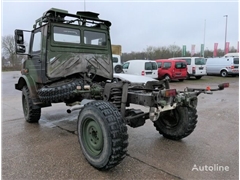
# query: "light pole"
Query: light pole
{"points": [[225, 34], [204, 31]]}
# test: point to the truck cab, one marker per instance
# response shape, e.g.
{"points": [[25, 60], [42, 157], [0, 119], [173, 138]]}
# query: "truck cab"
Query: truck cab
{"points": [[64, 46], [60, 47]]}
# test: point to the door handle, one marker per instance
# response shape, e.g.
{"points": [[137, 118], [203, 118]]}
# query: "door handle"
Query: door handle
{"points": [[39, 61]]}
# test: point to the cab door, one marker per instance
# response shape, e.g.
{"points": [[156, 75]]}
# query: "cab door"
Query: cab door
{"points": [[34, 62]]}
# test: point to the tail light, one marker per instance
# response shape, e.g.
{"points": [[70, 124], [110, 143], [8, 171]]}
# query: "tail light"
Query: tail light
{"points": [[230, 67], [193, 70], [170, 92], [143, 73]]}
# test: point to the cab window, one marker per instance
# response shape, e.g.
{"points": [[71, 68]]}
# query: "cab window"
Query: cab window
{"points": [[67, 35], [95, 38], [36, 46]]}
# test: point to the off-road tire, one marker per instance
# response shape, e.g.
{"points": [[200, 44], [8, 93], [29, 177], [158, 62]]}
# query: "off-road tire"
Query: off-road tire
{"points": [[32, 113], [177, 123], [102, 134], [59, 93]]}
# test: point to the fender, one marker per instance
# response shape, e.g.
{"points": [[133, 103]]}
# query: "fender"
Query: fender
{"points": [[26, 79]]}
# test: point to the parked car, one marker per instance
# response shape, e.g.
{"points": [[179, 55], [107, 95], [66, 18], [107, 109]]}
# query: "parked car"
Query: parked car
{"points": [[196, 66], [223, 66], [141, 67], [172, 69]]}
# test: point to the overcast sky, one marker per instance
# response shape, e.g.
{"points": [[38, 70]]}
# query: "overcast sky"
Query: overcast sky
{"points": [[137, 25]]}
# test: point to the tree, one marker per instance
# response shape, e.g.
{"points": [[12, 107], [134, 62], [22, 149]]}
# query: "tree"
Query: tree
{"points": [[232, 49], [174, 50], [3, 61], [8, 48]]}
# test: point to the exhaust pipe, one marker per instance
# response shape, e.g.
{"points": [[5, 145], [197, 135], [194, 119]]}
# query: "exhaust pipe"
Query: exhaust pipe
{"points": [[83, 102]]}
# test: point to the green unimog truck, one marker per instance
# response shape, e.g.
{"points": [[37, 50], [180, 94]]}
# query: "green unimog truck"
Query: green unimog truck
{"points": [[70, 60]]}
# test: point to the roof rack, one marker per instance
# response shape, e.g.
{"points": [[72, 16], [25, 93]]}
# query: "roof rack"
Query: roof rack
{"points": [[58, 15]]}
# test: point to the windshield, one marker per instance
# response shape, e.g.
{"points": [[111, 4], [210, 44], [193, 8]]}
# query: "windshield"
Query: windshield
{"points": [[69, 35], [200, 61]]}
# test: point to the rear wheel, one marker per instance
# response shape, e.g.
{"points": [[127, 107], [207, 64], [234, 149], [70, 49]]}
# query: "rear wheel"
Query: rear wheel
{"points": [[177, 123], [32, 113], [181, 80], [102, 134], [224, 73]]}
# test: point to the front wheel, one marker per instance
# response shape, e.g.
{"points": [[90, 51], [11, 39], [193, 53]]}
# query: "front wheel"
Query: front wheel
{"points": [[198, 77], [102, 134], [32, 113], [177, 123]]}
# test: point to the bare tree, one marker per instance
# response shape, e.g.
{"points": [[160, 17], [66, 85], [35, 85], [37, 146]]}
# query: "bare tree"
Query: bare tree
{"points": [[8, 48], [174, 50]]}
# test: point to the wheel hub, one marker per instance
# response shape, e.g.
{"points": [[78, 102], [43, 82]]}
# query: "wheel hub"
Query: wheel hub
{"points": [[170, 120], [93, 137]]}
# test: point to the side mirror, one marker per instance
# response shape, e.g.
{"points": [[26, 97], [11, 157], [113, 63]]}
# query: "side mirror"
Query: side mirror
{"points": [[19, 38], [20, 48], [19, 42]]}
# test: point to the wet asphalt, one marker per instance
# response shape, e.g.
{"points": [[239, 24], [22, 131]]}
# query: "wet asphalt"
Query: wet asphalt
{"points": [[50, 149]]}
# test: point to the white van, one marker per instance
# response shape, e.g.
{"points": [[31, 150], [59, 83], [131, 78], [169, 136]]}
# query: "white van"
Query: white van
{"points": [[231, 55], [196, 66], [223, 66], [141, 67]]}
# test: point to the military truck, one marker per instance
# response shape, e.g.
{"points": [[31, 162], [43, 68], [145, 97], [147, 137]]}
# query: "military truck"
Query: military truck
{"points": [[70, 60]]}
